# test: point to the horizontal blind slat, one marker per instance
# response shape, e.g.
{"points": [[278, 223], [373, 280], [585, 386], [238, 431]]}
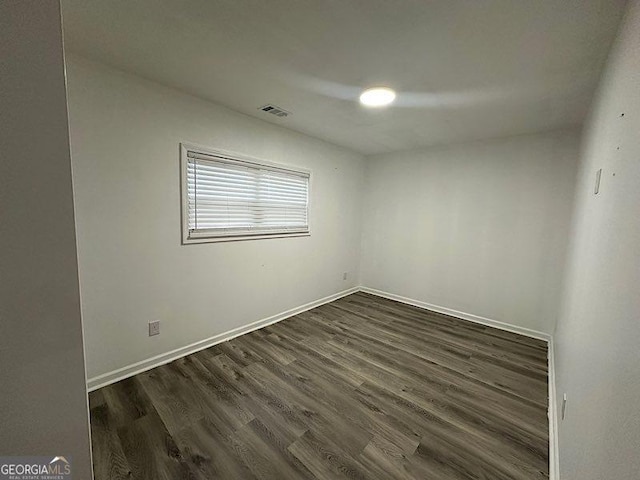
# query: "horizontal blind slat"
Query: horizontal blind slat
{"points": [[203, 190], [215, 159], [210, 169]]}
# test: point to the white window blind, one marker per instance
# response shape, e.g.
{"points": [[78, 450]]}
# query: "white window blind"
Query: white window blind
{"points": [[234, 197]]}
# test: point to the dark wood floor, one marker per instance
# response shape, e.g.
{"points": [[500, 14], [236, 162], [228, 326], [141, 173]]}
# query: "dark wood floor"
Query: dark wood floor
{"points": [[361, 388]]}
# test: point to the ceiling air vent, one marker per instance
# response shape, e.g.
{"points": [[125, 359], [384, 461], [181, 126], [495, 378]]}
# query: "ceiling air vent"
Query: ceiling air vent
{"points": [[273, 110]]}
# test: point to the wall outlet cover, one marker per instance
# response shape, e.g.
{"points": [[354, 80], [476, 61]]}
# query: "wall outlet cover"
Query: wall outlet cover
{"points": [[154, 328]]}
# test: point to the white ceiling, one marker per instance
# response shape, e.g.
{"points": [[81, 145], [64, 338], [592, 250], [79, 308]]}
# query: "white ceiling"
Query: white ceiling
{"points": [[463, 69]]}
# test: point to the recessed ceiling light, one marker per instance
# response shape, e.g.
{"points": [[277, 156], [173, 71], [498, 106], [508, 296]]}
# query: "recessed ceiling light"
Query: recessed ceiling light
{"points": [[377, 97]]}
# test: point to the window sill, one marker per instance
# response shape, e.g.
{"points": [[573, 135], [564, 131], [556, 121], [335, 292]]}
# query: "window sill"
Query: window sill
{"points": [[188, 241]]}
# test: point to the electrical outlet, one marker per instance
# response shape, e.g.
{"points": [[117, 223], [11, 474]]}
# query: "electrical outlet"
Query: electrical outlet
{"points": [[564, 405], [345, 275], [154, 328]]}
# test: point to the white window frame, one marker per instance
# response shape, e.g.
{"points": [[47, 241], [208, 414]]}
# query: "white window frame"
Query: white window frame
{"points": [[188, 238]]}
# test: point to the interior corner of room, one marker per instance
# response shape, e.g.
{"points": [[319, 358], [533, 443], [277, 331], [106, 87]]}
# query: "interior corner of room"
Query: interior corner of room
{"points": [[214, 239]]}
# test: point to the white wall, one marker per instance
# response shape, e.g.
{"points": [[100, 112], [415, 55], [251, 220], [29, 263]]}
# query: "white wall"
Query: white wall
{"points": [[479, 228], [125, 134], [598, 336], [43, 398]]}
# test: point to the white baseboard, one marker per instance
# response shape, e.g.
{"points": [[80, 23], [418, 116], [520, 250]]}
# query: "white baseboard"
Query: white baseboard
{"points": [[554, 452], [116, 375], [458, 314]]}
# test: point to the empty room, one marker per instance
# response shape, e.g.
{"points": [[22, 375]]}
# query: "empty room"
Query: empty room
{"points": [[319, 239]]}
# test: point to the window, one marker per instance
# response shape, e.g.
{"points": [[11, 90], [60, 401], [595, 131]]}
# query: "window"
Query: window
{"points": [[231, 197]]}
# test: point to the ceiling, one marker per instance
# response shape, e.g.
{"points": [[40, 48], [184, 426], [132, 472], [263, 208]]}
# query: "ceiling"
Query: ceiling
{"points": [[463, 69]]}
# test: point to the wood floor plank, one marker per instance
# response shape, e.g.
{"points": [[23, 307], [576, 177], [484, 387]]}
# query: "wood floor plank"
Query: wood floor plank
{"points": [[308, 405], [151, 451], [109, 459], [208, 453], [127, 401], [325, 459], [361, 388]]}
